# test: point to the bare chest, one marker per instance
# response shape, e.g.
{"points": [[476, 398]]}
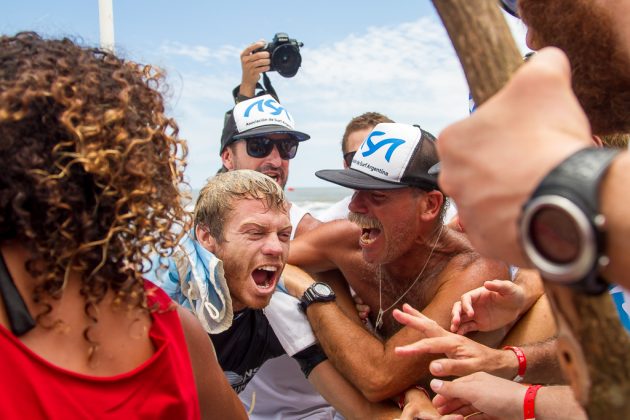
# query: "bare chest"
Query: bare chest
{"points": [[393, 292]]}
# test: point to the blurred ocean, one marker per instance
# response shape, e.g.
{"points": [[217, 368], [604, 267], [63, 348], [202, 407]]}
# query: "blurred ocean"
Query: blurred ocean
{"points": [[313, 199], [316, 199]]}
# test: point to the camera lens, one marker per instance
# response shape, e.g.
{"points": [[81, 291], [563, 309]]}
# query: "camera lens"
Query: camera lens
{"points": [[286, 60]]}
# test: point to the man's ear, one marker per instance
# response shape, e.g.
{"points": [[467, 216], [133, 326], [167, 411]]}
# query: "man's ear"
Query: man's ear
{"points": [[205, 239], [227, 156], [433, 204]]}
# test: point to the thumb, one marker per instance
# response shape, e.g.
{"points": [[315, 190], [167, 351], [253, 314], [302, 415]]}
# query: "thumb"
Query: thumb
{"points": [[449, 389], [502, 287]]}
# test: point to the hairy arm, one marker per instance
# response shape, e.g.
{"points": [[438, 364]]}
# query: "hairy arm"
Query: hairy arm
{"points": [[502, 399], [615, 185], [373, 366], [465, 356], [215, 393]]}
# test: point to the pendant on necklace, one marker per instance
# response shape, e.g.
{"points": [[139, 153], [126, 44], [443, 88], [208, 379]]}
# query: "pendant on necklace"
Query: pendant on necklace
{"points": [[379, 319]]}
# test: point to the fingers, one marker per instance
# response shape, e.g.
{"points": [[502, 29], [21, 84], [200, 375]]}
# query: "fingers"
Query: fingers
{"points": [[502, 287], [445, 405], [411, 311], [467, 327], [454, 367], [429, 345], [416, 320], [256, 45], [467, 306], [363, 311], [455, 316]]}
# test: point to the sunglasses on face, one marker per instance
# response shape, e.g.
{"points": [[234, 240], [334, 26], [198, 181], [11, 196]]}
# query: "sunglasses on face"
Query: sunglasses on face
{"points": [[260, 147], [347, 157]]}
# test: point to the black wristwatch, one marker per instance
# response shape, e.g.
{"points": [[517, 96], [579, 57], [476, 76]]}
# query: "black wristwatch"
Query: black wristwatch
{"points": [[561, 228], [317, 292]]}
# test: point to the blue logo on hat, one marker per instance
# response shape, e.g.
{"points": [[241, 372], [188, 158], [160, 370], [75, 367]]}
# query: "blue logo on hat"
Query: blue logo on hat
{"points": [[269, 104], [373, 147]]}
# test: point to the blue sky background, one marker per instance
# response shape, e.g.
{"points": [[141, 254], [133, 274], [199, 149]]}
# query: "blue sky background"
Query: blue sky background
{"points": [[358, 56]]}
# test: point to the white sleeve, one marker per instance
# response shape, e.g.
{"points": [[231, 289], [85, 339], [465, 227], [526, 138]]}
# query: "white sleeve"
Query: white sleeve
{"points": [[289, 323]]}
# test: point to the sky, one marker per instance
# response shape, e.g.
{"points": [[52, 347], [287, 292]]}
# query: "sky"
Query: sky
{"points": [[358, 55]]}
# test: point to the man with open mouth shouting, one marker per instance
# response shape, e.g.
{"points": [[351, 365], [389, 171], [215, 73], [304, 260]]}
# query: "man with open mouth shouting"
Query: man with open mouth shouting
{"points": [[397, 250], [227, 273]]}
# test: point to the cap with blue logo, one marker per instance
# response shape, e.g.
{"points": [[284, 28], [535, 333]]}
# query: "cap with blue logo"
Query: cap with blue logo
{"points": [[392, 156], [258, 116]]}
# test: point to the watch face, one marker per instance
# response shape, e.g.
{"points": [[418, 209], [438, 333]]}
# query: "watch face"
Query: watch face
{"points": [[321, 289], [558, 238], [555, 235]]}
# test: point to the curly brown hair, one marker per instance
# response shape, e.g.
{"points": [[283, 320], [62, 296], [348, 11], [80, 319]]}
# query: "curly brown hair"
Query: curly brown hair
{"points": [[91, 169]]}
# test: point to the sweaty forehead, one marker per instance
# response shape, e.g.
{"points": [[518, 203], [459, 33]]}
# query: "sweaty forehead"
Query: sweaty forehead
{"points": [[255, 211]]}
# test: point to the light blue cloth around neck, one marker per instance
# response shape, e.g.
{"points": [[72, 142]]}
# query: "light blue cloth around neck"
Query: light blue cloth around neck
{"points": [[194, 278]]}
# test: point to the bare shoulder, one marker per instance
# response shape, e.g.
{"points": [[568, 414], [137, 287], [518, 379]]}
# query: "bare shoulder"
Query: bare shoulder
{"points": [[307, 223], [466, 261], [196, 337]]}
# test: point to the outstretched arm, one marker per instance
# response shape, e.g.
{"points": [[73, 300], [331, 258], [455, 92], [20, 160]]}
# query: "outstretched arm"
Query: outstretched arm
{"points": [[502, 399], [372, 365], [465, 356]]}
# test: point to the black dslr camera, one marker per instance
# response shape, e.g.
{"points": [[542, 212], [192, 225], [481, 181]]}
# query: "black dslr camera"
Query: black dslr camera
{"points": [[285, 54]]}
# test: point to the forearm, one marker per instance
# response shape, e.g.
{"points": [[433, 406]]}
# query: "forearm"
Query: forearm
{"points": [[361, 357], [557, 403], [531, 283], [344, 300], [543, 366], [346, 398], [614, 186], [542, 362]]}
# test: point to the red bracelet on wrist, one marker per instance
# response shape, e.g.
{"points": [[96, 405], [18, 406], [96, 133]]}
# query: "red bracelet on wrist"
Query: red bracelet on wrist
{"points": [[401, 401], [529, 411], [522, 362]]}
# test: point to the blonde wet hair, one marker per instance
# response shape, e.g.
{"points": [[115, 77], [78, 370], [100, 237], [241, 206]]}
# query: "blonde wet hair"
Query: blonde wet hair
{"points": [[217, 198]]}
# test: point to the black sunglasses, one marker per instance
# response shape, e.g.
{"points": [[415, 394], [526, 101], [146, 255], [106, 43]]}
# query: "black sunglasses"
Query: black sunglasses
{"points": [[260, 147], [347, 157]]}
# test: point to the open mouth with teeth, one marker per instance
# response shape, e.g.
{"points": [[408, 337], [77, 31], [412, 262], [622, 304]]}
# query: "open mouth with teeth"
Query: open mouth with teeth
{"points": [[371, 229], [369, 235], [273, 175], [266, 277]]}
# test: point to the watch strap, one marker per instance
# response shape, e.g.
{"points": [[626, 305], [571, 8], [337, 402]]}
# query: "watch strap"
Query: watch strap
{"points": [[310, 296], [583, 171], [578, 179]]}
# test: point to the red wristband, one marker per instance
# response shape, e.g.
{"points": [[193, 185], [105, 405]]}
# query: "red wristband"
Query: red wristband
{"points": [[401, 401], [522, 362], [529, 411]]}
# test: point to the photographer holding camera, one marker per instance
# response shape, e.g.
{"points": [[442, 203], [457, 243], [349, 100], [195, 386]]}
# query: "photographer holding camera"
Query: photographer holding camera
{"points": [[281, 55]]}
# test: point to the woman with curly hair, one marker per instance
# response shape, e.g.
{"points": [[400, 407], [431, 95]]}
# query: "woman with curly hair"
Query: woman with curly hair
{"points": [[90, 170]]}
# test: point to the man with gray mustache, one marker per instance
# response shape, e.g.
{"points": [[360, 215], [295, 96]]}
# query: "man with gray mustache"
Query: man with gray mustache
{"points": [[396, 251]]}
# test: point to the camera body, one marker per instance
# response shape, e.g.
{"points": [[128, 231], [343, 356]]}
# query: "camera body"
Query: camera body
{"points": [[284, 53]]}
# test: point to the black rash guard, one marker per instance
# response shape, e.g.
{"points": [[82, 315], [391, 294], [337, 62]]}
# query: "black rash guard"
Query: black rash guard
{"points": [[250, 342]]}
